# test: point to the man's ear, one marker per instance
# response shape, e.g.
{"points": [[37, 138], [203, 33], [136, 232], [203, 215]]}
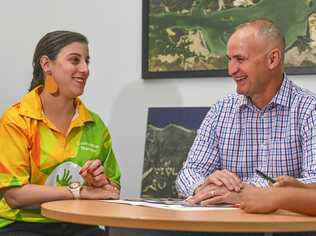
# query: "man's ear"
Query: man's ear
{"points": [[45, 63], [274, 58]]}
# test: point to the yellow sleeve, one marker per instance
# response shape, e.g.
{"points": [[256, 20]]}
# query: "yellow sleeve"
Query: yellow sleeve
{"points": [[14, 154]]}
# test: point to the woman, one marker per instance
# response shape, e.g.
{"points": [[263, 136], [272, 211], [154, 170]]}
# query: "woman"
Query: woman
{"points": [[287, 193], [53, 148]]}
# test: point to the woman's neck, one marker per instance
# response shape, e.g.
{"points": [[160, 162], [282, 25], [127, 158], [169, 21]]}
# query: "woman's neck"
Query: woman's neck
{"points": [[57, 104], [59, 110]]}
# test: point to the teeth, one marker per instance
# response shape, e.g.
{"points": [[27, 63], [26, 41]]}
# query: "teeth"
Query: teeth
{"points": [[80, 80]]}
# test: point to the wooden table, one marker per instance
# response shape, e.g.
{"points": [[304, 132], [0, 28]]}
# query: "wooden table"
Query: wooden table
{"points": [[119, 215]]}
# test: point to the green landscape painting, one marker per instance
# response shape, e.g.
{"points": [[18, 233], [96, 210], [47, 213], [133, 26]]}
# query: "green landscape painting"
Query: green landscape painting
{"points": [[169, 136], [191, 35]]}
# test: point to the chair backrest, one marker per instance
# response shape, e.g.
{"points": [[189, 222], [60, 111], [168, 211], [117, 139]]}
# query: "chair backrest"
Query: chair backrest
{"points": [[169, 136]]}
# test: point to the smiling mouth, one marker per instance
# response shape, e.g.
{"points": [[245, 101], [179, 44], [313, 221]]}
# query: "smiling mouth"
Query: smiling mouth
{"points": [[80, 80], [239, 79]]}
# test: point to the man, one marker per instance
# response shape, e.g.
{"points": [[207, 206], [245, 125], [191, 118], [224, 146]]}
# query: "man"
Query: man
{"points": [[270, 124]]}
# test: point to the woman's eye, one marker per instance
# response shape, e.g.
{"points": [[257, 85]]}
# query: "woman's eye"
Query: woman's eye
{"points": [[75, 60]]}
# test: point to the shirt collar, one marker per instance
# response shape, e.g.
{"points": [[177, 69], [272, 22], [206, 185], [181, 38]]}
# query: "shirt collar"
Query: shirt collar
{"points": [[281, 98], [31, 106], [283, 95]]}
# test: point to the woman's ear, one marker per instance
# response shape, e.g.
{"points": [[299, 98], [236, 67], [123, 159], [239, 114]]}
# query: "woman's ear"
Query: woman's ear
{"points": [[45, 63], [274, 58]]}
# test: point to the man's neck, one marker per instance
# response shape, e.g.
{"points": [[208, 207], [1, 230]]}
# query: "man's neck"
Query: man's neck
{"points": [[263, 99]]}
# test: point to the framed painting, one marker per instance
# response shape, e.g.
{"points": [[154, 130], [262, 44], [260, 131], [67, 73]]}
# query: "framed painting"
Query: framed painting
{"points": [[187, 38], [169, 136]]}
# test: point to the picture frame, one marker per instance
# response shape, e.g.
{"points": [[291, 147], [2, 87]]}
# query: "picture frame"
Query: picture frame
{"points": [[166, 42], [170, 133]]}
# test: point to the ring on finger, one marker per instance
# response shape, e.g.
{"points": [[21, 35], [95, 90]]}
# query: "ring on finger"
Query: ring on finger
{"points": [[212, 193]]}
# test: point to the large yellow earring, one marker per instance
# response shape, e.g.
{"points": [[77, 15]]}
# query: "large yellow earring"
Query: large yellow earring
{"points": [[50, 84]]}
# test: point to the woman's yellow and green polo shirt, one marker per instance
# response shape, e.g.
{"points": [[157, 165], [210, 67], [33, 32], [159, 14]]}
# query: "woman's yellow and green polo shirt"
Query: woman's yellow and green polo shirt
{"points": [[33, 151]]}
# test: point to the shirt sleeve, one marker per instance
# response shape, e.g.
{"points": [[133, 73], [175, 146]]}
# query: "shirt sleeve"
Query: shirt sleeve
{"points": [[110, 164], [308, 174], [203, 157], [14, 155]]}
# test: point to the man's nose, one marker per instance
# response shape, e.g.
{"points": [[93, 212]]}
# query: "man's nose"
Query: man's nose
{"points": [[232, 68]]}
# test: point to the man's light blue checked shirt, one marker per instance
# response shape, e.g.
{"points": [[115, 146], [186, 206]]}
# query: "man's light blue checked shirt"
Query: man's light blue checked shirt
{"points": [[279, 139]]}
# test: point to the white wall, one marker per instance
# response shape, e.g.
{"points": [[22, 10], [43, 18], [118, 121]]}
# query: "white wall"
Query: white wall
{"points": [[115, 90]]}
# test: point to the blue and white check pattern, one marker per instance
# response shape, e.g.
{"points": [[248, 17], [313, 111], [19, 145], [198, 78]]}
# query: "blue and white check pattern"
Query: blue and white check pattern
{"points": [[279, 139]]}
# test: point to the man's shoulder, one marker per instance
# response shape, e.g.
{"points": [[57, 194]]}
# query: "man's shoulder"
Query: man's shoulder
{"points": [[230, 100], [225, 105], [300, 94]]}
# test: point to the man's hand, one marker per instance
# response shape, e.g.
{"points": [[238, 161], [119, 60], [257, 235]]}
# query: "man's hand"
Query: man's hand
{"points": [[222, 178], [213, 194], [94, 174], [258, 200], [221, 186]]}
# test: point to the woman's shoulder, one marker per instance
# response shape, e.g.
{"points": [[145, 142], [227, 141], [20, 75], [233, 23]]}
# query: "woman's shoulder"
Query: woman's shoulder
{"points": [[12, 114], [95, 116], [97, 120]]}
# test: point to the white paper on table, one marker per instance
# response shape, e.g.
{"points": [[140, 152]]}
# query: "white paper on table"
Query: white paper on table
{"points": [[172, 205]]}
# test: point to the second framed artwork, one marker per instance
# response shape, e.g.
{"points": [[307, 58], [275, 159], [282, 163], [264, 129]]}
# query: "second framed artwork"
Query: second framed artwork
{"points": [[187, 38]]}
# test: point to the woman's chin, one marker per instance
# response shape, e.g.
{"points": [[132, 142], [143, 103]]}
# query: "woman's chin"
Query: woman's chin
{"points": [[78, 92]]}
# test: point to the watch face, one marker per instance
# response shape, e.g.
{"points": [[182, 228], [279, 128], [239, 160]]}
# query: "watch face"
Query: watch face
{"points": [[74, 185]]}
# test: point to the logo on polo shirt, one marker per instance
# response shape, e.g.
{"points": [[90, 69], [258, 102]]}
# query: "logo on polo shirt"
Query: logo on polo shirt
{"points": [[89, 147]]}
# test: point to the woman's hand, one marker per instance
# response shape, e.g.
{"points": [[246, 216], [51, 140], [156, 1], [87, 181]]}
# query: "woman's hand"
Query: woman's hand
{"points": [[258, 200], [288, 181], [94, 174], [107, 192]]}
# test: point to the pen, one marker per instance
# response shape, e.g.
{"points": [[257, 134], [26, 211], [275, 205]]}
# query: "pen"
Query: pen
{"points": [[266, 177]]}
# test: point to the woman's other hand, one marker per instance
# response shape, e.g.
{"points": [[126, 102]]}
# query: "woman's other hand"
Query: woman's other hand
{"points": [[288, 181], [94, 174], [107, 192], [258, 200]]}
